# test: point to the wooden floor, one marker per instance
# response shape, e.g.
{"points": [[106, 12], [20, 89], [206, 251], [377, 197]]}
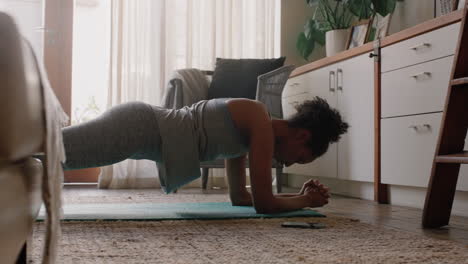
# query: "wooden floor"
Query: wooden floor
{"points": [[403, 218], [399, 217]]}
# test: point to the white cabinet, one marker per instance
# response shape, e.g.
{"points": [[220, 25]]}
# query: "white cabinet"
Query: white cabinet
{"points": [[349, 89], [432, 45], [415, 73], [320, 82], [295, 86], [356, 104], [416, 89], [415, 77], [408, 148]]}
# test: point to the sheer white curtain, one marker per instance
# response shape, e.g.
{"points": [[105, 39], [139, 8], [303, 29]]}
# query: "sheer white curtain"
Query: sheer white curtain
{"points": [[152, 38]]}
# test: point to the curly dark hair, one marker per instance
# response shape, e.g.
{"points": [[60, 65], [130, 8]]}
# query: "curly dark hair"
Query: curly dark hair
{"points": [[324, 123]]}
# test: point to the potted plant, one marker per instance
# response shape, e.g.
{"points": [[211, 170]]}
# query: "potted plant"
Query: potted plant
{"points": [[331, 21], [329, 24]]}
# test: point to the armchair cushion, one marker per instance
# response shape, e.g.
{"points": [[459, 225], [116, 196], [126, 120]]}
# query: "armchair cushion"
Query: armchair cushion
{"points": [[237, 78], [22, 121]]}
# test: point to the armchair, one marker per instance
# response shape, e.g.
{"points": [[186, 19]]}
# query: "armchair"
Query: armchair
{"points": [[22, 135], [268, 91], [30, 142]]}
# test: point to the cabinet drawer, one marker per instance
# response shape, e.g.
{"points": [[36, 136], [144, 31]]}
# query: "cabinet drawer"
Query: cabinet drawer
{"points": [[408, 148], [417, 89], [295, 86], [290, 103], [435, 44]]}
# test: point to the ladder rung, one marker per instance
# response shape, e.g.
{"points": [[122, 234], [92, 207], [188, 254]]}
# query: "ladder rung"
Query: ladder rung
{"points": [[460, 81], [453, 158]]}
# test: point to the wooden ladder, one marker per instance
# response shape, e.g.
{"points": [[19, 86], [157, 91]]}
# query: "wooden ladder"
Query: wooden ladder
{"points": [[449, 153]]}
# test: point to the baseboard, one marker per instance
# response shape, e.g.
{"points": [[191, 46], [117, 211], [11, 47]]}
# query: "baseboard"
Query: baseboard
{"points": [[399, 195]]}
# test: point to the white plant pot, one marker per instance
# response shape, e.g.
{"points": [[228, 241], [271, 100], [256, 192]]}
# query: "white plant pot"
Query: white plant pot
{"points": [[335, 41]]}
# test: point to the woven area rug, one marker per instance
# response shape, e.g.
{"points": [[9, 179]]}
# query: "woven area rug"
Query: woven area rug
{"points": [[245, 241], [256, 241]]}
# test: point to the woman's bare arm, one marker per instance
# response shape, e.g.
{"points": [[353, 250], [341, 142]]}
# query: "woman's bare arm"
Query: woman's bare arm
{"points": [[252, 119], [235, 171], [260, 156]]}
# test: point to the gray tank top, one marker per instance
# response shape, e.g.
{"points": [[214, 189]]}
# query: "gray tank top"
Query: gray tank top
{"points": [[204, 131]]}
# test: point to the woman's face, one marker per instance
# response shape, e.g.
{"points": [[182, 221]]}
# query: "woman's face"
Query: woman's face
{"points": [[293, 148]]}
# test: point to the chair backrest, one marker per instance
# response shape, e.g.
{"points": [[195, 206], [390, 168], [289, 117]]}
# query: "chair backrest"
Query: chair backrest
{"points": [[22, 124], [270, 88]]}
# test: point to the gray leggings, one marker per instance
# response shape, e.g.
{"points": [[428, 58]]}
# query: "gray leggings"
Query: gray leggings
{"points": [[126, 131]]}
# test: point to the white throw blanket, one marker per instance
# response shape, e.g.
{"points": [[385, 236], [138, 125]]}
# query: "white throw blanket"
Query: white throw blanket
{"points": [[52, 182], [185, 87]]}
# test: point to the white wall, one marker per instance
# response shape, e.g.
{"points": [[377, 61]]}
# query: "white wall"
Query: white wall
{"points": [[294, 14], [409, 13]]}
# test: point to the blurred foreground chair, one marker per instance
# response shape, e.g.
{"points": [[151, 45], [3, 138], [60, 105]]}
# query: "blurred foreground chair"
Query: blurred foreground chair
{"points": [[24, 135]]}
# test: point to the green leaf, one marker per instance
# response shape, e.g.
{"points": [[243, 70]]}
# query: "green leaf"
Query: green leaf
{"points": [[309, 27], [318, 36], [304, 46], [384, 7], [371, 36], [312, 2], [361, 8], [313, 32]]}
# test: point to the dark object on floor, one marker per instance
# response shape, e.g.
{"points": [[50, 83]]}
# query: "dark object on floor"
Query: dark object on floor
{"points": [[303, 225]]}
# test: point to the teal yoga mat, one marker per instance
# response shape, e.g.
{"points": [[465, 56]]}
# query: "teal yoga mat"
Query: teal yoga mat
{"points": [[170, 211]]}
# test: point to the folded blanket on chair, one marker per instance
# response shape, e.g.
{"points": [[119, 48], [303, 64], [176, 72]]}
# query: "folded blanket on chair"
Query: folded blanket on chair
{"points": [[55, 118], [185, 87]]}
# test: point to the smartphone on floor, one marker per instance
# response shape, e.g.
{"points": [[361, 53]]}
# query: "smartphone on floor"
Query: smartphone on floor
{"points": [[303, 225]]}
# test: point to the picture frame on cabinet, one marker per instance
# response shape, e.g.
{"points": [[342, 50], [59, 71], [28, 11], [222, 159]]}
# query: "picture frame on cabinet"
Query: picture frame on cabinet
{"points": [[358, 33], [447, 6], [379, 27]]}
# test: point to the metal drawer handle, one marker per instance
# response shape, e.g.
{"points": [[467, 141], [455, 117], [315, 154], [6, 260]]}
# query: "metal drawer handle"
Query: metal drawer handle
{"points": [[416, 128], [422, 45], [421, 74], [330, 82], [339, 86]]}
